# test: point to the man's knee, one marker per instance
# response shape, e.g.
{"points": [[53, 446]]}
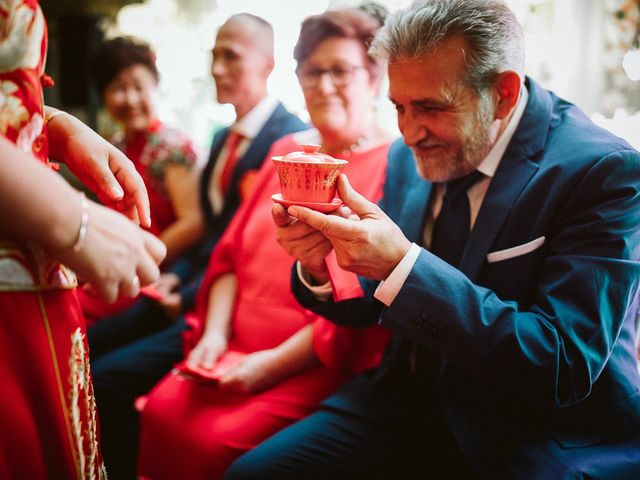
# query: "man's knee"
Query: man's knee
{"points": [[243, 469]]}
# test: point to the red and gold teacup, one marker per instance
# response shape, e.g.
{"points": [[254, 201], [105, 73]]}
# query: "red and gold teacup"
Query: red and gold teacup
{"points": [[308, 177]]}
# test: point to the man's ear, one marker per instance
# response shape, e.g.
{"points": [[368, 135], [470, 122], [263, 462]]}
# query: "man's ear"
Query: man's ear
{"points": [[269, 66], [506, 89]]}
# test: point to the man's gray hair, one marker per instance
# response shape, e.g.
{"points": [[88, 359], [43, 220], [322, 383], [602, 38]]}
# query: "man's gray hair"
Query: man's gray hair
{"points": [[493, 34]]}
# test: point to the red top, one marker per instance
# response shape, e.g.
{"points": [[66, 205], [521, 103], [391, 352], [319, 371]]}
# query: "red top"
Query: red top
{"points": [[266, 312], [25, 266], [190, 428], [47, 411]]}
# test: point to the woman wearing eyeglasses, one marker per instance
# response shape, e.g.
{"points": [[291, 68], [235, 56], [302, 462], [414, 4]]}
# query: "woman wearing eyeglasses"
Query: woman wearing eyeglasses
{"points": [[283, 360]]}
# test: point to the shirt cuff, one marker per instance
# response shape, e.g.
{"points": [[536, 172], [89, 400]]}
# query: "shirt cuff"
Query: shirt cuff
{"points": [[388, 289], [321, 292]]}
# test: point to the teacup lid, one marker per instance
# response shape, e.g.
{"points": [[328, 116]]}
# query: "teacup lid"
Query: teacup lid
{"points": [[311, 154]]}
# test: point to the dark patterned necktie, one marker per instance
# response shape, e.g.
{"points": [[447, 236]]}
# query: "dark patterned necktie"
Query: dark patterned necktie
{"points": [[450, 234], [451, 228], [449, 237]]}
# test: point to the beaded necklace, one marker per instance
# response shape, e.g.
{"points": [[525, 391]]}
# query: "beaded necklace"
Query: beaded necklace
{"points": [[347, 152]]}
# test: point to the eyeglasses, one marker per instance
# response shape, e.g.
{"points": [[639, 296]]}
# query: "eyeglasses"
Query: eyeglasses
{"points": [[340, 75]]}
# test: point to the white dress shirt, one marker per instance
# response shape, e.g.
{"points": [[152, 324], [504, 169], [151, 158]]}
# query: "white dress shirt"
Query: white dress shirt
{"points": [[248, 126]]}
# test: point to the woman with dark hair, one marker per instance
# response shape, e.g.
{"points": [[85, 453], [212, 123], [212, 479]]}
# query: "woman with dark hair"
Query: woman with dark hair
{"points": [[275, 361], [125, 74]]}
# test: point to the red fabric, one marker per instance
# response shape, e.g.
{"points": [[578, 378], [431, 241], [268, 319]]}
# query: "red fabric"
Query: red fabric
{"points": [[190, 428], [22, 118], [233, 141], [344, 284], [227, 361], [47, 410]]}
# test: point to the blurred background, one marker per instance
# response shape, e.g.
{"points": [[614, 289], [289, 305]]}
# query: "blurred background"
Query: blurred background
{"points": [[587, 51]]}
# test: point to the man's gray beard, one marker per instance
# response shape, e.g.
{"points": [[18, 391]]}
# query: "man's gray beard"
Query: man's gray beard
{"points": [[474, 152]]}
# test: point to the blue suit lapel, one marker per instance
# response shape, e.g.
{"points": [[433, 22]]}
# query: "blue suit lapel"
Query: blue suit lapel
{"points": [[205, 177], [504, 191], [406, 195], [254, 155], [516, 168], [414, 210], [216, 145]]}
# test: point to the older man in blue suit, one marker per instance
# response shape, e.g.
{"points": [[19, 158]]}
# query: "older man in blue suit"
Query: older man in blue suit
{"points": [[509, 278]]}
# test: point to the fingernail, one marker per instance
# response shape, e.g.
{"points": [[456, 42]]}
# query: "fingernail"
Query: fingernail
{"points": [[117, 191]]}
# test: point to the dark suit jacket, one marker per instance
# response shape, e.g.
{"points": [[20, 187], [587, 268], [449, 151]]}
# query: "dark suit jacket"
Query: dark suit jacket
{"points": [[190, 267], [538, 349]]}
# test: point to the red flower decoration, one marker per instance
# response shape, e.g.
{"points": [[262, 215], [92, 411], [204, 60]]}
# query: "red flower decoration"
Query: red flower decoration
{"points": [[46, 81]]}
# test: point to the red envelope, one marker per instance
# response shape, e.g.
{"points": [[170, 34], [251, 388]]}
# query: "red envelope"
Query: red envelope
{"points": [[222, 366], [152, 292]]}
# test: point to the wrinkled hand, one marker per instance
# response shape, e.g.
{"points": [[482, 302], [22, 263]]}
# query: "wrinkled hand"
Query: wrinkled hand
{"points": [[256, 371], [116, 257], [207, 351], [372, 246], [99, 165], [302, 242]]}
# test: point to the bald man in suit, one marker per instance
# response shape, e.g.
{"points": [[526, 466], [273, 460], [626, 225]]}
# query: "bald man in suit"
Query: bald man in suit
{"points": [[132, 350]]}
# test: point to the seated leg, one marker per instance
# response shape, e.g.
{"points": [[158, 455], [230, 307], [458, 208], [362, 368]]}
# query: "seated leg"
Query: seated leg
{"points": [[145, 317], [119, 377]]}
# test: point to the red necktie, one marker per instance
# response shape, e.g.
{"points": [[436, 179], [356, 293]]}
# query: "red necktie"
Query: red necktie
{"points": [[233, 140]]}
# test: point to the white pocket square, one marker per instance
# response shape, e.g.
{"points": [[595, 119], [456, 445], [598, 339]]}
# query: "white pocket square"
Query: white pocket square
{"points": [[500, 255]]}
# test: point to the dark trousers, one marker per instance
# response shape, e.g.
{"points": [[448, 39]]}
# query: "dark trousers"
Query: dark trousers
{"points": [[130, 352], [407, 441]]}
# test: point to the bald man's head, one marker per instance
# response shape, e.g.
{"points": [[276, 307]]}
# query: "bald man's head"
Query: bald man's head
{"points": [[242, 61], [260, 31]]}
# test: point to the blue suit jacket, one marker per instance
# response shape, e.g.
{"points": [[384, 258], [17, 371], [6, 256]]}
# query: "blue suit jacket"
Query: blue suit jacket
{"points": [[539, 370], [190, 267]]}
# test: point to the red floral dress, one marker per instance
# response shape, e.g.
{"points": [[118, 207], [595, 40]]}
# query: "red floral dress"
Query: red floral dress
{"points": [[151, 152], [47, 408]]}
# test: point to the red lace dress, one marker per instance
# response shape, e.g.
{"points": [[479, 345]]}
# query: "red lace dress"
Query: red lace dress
{"points": [[151, 152], [191, 429], [47, 409]]}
